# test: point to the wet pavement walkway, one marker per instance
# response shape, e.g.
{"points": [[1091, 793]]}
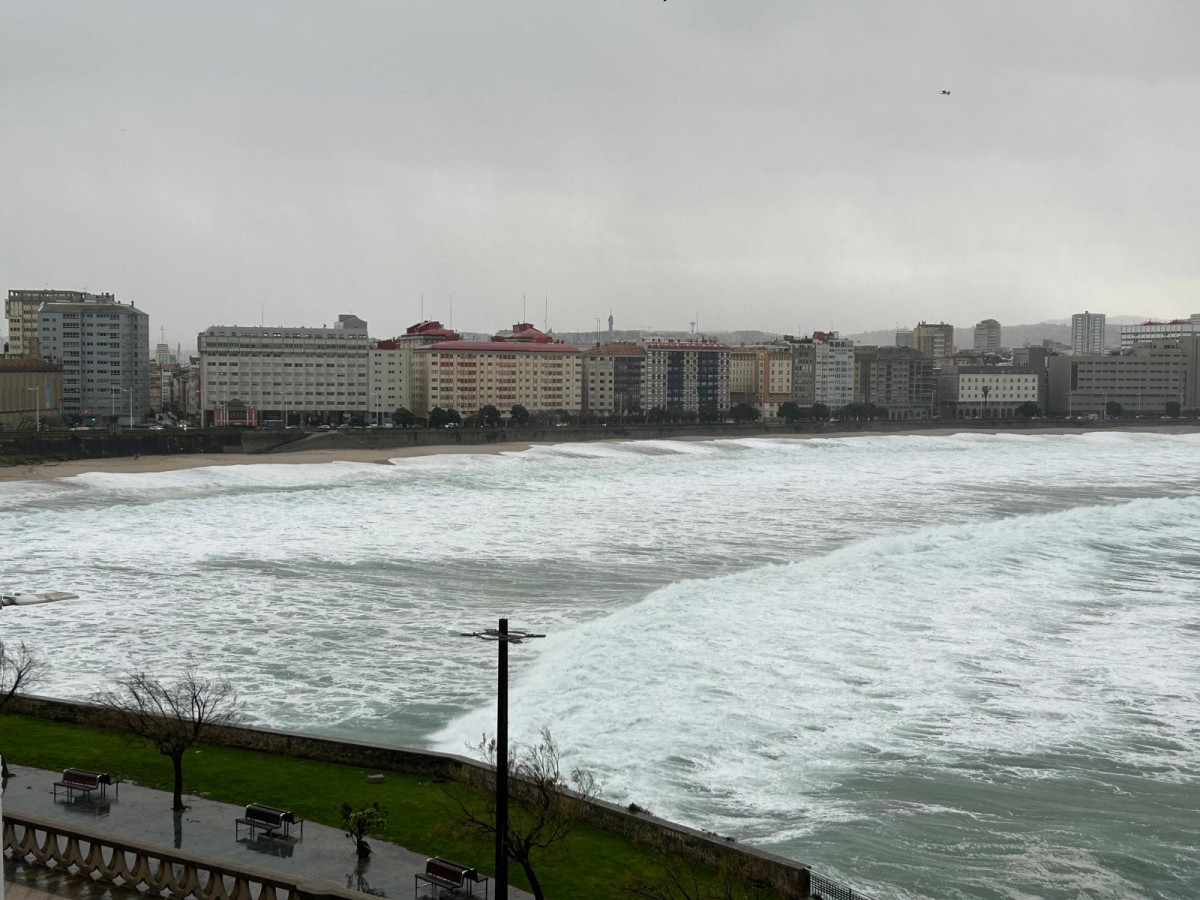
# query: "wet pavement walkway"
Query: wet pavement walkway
{"points": [[206, 827]]}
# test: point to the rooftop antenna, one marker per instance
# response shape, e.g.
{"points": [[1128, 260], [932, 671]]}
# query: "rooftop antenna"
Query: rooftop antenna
{"points": [[422, 306], [262, 315], [523, 308], [546, 314], [452, 311]]}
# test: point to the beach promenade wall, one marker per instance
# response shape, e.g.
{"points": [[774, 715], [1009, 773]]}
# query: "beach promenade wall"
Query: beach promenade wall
{"points": [[791, 878], [20, 447], [383, 439]]}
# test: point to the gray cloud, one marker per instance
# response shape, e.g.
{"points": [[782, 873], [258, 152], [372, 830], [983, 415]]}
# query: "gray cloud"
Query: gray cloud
{"points": [[775, 165]]}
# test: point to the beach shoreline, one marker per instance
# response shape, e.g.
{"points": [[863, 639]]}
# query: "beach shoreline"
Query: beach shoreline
{"points": [[128, 465]]}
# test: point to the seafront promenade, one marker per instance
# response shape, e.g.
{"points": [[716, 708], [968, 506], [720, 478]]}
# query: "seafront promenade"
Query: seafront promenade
{"points": [[207, 829]]}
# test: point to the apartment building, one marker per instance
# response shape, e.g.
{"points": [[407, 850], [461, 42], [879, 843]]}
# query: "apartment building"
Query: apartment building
{"points": [[524, 366], [822, 369], [613, 375], [104, 348], [21, 310], [804, 369], [906, 337], [1159, 331], [1087, 333], [1143, 379], [761, 375], [390, 369], [997, 391], [987, 336], [936, 341], [900, 379], [286, 373], [687, 375], [30, 392], [834, 369]]}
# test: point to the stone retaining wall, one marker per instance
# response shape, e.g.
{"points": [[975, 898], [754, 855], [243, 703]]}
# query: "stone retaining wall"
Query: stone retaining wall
{"points": [[790, 877]]}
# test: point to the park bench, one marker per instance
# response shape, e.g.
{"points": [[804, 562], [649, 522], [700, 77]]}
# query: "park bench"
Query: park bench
{"points": [[81, 781], [268, 820], [442, 874]]}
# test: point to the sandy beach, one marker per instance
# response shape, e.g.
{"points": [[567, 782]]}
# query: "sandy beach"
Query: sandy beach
{"points": [[170, 463], [129, 465]]}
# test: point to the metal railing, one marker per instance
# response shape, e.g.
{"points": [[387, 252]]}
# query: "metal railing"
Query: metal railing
{"points": [[822, 888], [101, 856]]}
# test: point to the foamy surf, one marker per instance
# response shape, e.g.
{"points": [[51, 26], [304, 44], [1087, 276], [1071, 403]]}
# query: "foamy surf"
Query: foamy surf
{"points": [[905, 659]]}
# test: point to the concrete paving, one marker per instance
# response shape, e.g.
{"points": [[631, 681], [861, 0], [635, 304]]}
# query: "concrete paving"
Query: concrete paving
{"points": [[206, 828]]}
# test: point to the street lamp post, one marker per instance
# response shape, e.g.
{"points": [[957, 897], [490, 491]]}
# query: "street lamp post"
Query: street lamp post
{"points": [[7, 600], [37, 409], [129, 391], [503, 637]]}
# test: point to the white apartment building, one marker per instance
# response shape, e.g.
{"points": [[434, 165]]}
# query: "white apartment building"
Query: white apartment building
{"points": [[21, 310], [833, 369], [987, 336], [525, 367], [282, 372], [104, 348], [390, 368], [997, 391], [1087, 333], [1159, 331]]}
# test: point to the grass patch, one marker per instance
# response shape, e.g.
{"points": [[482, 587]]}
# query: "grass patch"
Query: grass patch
{"points": [[593, 865]]}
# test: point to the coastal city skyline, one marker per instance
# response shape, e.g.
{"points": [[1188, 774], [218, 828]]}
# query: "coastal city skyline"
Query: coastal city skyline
{"points": [[71, 356]]}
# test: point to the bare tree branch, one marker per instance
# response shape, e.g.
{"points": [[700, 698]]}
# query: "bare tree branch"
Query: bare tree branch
{"points": [[19, 671], [171, 717], [543, 804]]}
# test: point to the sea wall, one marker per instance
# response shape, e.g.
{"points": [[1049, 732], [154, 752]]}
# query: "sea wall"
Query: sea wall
{"points": [[20, 447], [100, 444], [791, 878]]}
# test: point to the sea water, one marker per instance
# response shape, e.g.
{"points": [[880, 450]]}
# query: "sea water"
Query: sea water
{"points": [[934, 667]]}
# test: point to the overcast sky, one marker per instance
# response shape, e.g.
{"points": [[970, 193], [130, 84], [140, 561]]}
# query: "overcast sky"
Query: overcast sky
{"points": [[774, 165]]}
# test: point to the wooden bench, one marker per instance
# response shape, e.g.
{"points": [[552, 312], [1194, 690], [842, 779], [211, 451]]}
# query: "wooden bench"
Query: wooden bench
{"points": [[268, 820], [441, 874], [81, 781]]}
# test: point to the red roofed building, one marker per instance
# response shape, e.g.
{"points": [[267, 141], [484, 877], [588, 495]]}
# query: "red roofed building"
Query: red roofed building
{"points": [[390, 368], [524, 366]]}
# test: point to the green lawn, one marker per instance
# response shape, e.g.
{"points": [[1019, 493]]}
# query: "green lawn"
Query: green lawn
{"points": [[593, 866]]}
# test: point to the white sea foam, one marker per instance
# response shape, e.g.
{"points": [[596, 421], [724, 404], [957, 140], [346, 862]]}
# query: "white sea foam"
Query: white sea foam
{"points": [[835, 647]]}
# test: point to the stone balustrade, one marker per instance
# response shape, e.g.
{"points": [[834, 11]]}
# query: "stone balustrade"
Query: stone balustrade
{"points": [[100, 856]]}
